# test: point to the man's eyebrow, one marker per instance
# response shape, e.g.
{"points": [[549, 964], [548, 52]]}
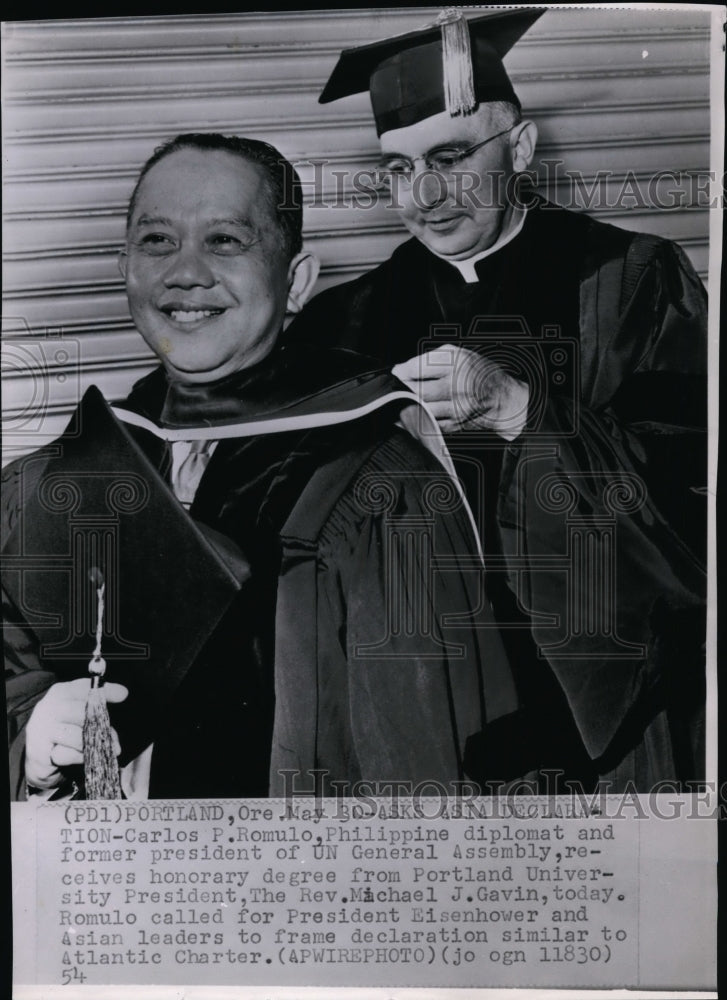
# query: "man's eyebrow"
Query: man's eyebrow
{"points": [[449, 144], [235, 220], [389, 154], [152, 220]]}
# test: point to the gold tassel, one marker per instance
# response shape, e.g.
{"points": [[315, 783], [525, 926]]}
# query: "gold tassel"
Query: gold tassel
{"points": [[100, 765], [459, 88]]}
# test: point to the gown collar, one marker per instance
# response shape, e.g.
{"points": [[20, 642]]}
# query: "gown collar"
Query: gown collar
{"points": [[293, 386], [467, 267]]}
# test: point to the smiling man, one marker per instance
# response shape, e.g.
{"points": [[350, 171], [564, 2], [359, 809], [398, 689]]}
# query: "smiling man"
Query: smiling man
{"points": [[565, 362], [351, 546], [208, 283]]}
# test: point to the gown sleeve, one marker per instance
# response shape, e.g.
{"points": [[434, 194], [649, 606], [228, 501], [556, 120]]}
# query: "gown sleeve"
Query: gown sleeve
{"points": [[26, 679], [612, 519], [410, 663]]}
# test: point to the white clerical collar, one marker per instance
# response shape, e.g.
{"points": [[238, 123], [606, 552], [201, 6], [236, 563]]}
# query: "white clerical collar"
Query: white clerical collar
{"points": [[467, 267]]}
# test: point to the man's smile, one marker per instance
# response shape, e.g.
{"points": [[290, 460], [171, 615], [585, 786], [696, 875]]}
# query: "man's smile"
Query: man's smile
{"points": [[188, 314], [443, 223], [184, 316]]}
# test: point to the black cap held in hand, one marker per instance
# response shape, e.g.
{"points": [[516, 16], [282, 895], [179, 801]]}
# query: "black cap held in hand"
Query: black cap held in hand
{"points": [[452, 65], [169, 580]]}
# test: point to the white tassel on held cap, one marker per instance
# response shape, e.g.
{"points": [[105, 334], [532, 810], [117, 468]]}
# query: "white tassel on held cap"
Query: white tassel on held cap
{"points": [[459, 88], [99, 759]]}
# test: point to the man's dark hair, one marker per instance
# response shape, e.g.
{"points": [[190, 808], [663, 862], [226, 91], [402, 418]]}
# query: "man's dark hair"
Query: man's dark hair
{"points": [[283, 182]]}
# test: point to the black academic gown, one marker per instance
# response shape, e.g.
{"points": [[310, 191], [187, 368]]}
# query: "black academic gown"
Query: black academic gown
{"points": [[609, 329], [361, 645]]}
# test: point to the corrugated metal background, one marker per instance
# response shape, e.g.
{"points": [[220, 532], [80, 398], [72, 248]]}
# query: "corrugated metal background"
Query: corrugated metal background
{"points": [[86, 101]]}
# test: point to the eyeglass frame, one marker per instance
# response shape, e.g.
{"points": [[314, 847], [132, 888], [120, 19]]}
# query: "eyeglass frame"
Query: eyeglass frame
{"points": [[425, 157]]}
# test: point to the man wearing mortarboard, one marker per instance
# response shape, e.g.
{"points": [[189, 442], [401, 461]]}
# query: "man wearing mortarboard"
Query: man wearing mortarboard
{"points": [[252, 553], [570, 383]]}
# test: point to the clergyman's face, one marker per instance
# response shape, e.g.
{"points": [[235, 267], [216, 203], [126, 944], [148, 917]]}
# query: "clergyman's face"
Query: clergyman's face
{"points": [[461, 216], [206, 275]]}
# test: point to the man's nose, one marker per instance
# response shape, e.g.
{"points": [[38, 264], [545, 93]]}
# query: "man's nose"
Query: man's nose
{"points": [[189, 268], [429, 188]]}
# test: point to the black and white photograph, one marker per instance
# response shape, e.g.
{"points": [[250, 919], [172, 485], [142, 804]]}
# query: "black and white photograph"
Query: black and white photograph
{"points": [[359, 438]]}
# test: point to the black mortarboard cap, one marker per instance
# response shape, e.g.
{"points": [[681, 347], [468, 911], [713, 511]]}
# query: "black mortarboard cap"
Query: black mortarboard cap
{"points": [[452, 65], [98, 504]]}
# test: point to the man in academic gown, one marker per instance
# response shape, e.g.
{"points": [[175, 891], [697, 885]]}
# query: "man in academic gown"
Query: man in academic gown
{"points": [[565, 361], [355, 545]]}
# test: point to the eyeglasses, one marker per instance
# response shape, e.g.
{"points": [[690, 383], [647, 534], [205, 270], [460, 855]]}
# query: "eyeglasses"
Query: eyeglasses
{"points": [[444, 160]]}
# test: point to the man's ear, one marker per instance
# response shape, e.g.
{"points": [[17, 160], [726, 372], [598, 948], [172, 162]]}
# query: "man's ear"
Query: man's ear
{"points": [[121, 261], [522, 144], [302, 276]]}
